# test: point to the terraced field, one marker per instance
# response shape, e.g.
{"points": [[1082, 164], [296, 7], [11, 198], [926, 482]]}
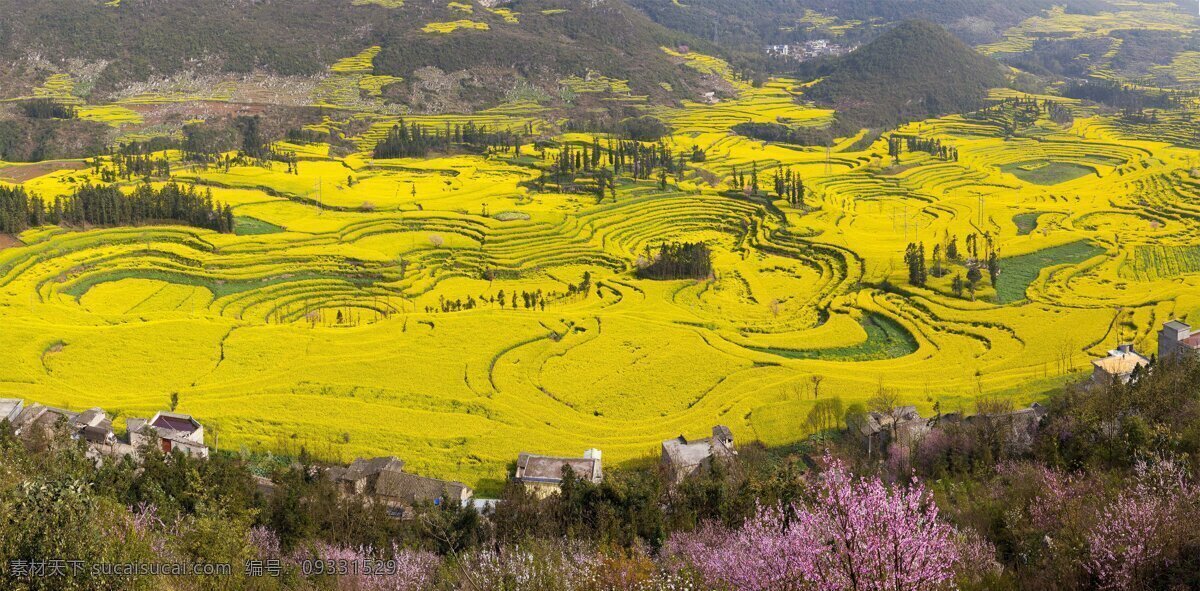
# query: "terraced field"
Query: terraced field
{"points": [[319, 322]]}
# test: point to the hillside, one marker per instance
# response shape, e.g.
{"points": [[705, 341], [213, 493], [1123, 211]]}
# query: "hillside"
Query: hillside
{"points": [[914, 71], [108, 47], [789, 21]]}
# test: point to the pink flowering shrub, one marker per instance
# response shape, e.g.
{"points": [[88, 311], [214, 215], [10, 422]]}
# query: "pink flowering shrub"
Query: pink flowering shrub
{"points": [[548, 567], [856, 534], [402, 570], [1140, 529], [563, 566]]}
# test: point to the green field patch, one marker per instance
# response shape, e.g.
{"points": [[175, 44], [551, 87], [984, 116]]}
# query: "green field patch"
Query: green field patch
{"points": [[219, 287], [886, 339], [511, 216], [1152, 262], [1027, 222], [248, 226], [1047, 173], [1019, 272]]}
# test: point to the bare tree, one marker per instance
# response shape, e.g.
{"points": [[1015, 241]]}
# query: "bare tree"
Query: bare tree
{"points": [[816, 383]]}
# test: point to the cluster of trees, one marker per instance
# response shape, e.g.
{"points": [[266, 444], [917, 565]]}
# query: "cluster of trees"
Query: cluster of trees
{"points": [[107, 205], [914, 259], [135, 160], [789, 185], [47, 109], [784, 134], [741, 183], [529, 300], [1124, 96], [208, 143], [35, 140], [933, 146], [597, 167], [677, 260], [1059, 113], [415, 141], [981, 255], [643, 129], [1016, 113], [14, 210]]}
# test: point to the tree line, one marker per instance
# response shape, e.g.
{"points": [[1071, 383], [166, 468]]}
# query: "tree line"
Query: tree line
{"points": [[45, 108], [413, 140], [677, 260], [107, 205], [898, 143]]}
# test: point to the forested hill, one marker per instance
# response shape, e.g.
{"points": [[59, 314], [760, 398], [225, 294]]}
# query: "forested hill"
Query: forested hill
{"points": [[541, 41], [914, 71], [733, 24]]}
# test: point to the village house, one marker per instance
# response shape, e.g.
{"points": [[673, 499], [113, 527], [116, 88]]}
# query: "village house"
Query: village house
{"points": [[877, 430], [169, 432], [1017, 429], [682, 458], [1177, 338], [40, 419], [10, 409], [92, 426], [1119, 365], [383, 480], [809, 50], [543, 475], [905, 426]]}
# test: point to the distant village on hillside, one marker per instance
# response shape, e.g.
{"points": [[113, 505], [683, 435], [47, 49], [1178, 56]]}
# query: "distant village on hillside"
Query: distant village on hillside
{"points": [[809, 50]]}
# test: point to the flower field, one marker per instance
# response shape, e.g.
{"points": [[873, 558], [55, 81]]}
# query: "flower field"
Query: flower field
{"points": [[320, 321]]}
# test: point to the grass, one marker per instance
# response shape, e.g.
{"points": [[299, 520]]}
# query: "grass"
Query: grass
{"points": [[1048, 173], [248, 226], [1019, 272], [1027, 222], [886, 339]]}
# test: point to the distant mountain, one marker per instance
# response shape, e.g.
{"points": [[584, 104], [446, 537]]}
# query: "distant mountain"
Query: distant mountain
{"points": [[913, 71], [484, 48]]}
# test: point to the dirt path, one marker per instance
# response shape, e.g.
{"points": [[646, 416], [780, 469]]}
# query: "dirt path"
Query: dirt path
{"points": [[19, 173], [8, 241]]}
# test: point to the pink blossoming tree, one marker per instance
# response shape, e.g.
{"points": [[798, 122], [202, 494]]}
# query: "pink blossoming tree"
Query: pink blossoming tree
{"points": [[857, 534], [1138, 531]]}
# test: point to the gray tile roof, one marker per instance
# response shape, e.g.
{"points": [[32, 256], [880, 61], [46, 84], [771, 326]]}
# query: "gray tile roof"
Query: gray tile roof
{"points": [[549, 469]]}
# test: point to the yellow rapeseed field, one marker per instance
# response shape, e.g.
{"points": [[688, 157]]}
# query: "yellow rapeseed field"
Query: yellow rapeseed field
{"points": [[325, 329]]}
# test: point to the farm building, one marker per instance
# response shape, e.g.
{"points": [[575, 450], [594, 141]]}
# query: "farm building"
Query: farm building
{"points": [[383, 480], [543, 475], [1119, 365], [170, 432], [10, 409], [682, 458], [876, 430], [39, 418], [1177, 337], [92, 426], [1017, 429]]}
